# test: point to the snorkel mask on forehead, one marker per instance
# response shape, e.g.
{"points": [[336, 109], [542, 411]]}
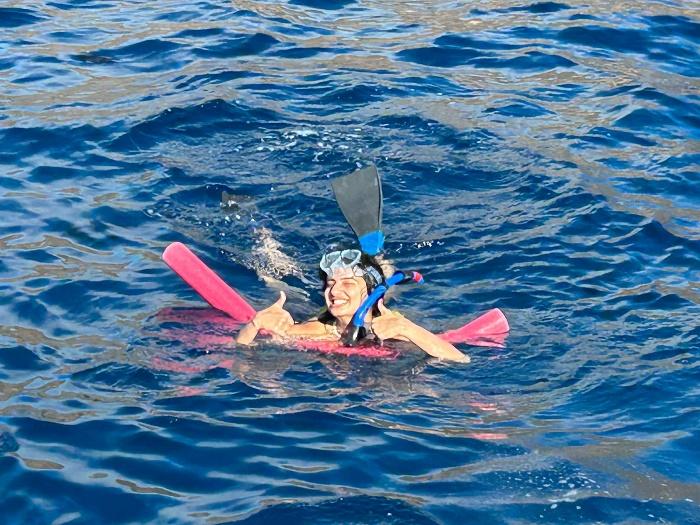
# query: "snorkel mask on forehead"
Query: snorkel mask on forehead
{"points": [[336, 259]]}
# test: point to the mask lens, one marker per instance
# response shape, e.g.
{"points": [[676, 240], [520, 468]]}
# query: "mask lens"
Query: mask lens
{"points": [[339, 259]]}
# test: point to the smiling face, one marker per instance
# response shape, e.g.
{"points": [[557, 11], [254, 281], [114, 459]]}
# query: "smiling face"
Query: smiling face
{"points": [[344, 293]]}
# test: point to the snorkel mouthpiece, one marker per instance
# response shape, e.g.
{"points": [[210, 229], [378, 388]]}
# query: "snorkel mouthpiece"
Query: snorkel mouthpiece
{"points": [[352, 334]]}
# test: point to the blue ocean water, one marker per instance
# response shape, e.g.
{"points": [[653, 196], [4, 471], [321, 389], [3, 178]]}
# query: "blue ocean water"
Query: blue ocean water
{"points": [[538, 157]]}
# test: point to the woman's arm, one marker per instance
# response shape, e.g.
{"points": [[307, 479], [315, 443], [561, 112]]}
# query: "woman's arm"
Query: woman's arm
{"points": [[391, 325]]}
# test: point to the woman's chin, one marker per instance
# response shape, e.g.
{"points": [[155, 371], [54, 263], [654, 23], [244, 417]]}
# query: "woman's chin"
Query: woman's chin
{"points": [[342, 310]]}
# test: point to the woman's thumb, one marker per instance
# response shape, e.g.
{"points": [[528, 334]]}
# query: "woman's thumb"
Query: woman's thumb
{"points": [[280, 302]]}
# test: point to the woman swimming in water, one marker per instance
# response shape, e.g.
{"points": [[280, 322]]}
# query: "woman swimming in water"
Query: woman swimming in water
{"points": [[349, 277]]}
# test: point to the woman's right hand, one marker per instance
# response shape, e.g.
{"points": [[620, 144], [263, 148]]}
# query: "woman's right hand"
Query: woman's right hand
{"points": [[274, 319]]}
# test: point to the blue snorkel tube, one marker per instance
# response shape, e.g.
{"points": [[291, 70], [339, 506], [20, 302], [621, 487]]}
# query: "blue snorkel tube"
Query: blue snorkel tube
{"points": [[356, 329]]}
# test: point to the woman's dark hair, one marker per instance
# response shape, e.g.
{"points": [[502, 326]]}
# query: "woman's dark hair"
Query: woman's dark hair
{"points": [[366, 261]]}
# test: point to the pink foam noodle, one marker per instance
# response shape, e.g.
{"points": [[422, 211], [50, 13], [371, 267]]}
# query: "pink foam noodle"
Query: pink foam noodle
{"points": [[206, 283]]}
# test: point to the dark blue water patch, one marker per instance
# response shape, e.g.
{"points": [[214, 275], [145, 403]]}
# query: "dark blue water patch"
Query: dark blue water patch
{"points": [[48, 174], [167, 474], [462, 42], [438, 57], [82, 36], [94, 503], [558, 93], [347, 98], [530, 33], [8, 443], [221, 77], [308, 52], [104, 216], [16, 17], [531, 61], [89, 300], [10, 183], [350, 509], [182, 15], [200, 33], [21, 358], [236, 45], [29, 309], [632, 397], [646, 120], [456, 50], [153, 48], [582, 16], [12, 206], [606, 137], [80, 435], [129, 411], [615, 39], [47, 60], [215, 407], [432, 84], [114, 375], [651, 300], [626, 88], [666, 25], [144, 56], [327, 5], [519, 109], [681, 161], [539, 8], [663, 353], [653, 240], [664, 100], [81, 4], [25, 142], [194, 122], [35, 77], [626, 41], [93, 58], [297, 29], [678, 459], [679, 184]]}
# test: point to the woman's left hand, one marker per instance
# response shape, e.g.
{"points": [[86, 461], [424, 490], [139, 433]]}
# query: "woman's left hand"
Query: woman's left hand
{"points": [[389, 325], [393, 325]]}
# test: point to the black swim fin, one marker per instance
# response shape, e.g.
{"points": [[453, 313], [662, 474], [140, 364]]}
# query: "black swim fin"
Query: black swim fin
{"points": [[359, 196]]}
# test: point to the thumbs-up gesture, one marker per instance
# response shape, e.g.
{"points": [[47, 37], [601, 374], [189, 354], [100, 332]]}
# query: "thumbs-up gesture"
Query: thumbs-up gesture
{"points": [[389, 325], [274, 318]]}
